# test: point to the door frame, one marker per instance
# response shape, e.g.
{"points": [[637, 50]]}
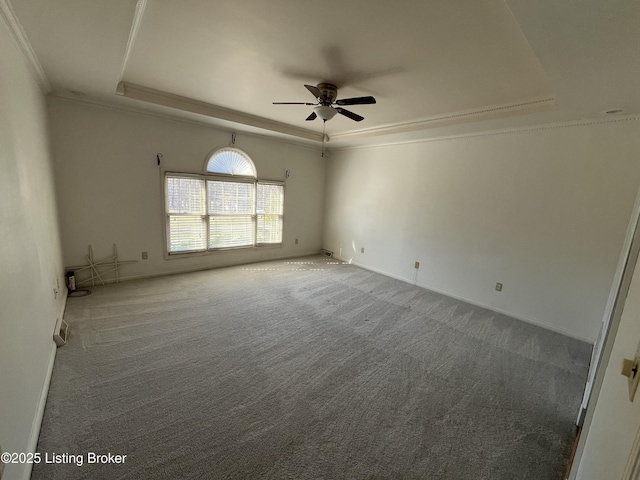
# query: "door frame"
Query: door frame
{"points": [[603, 346], [613, 311]]}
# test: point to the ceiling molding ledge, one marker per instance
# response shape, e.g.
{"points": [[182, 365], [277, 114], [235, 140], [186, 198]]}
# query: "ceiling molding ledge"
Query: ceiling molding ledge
{"points": [[133, 33], [9, 18], [64, 97], [502, 131], [158, 97], [486, 113]]}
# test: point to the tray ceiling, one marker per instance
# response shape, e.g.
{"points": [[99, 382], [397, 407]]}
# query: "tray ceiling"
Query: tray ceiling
{"points": [[430, 65]]}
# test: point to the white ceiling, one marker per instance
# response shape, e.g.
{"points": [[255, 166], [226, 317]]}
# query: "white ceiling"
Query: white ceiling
{"points": [[435, 67]]}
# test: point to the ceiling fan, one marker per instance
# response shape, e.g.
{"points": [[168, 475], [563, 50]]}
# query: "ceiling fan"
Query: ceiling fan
{"points": [[326, 94]]}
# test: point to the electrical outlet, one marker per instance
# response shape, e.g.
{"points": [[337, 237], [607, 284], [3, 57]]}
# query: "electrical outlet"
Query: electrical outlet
{"points": [[296, 241], [498, 287], [362, 250], [145, 255], [417, 265]]}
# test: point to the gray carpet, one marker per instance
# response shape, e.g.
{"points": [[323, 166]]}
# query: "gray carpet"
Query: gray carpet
{"points": [[306, 369]]}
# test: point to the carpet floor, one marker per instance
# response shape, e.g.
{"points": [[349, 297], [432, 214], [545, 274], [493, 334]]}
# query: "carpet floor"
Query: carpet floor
{"points": [[305, 369]]}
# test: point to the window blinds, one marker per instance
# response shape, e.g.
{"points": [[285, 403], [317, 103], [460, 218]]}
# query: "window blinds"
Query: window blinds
{"points": [[205, 213]]}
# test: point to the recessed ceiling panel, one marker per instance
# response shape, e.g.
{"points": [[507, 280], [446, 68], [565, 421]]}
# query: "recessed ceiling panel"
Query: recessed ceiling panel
{"points": [[420, 59]]}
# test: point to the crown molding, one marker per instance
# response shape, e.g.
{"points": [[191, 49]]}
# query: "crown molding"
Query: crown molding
{"points": [[158, 97], [502, 131], [336, 148], [487, 113], [8, 17]]}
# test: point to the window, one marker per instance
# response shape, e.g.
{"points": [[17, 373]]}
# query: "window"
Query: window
{"points": [[185, 210], [227, 207], [270, 203]]}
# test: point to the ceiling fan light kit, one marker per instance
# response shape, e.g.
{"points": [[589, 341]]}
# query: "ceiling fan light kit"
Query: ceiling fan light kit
{"points": [[325, 112], [326, 94]]}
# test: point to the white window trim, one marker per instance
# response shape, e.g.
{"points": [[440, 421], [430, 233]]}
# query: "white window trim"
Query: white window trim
{"points": [[220, 177]]}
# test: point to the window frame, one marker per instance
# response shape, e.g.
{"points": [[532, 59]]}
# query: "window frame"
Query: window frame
{"points": [[281, 215], [205, 177], [167, 215]]}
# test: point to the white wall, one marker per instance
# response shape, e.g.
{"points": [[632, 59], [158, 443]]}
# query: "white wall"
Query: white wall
{"points": [[110, 188], [30, 255], [616, 420], [542, 211]]}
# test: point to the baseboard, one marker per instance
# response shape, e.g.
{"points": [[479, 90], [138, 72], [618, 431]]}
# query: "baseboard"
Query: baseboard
{"points": [[533, 321], [42, 402], [197, 269], [567, 472], [37, 420]]}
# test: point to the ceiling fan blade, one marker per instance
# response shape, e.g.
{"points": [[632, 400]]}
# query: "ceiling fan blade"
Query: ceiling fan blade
{"points": [[356, 101], [313, 116], [293, 103], [314, 91], [351, 115]]}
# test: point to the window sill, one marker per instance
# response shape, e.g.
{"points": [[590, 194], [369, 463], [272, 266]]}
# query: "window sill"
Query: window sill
{"points": [[255, 248]]}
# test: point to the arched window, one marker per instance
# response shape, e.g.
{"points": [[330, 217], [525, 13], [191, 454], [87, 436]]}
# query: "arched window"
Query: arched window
{"points": [[230, 161], [226, 207]]}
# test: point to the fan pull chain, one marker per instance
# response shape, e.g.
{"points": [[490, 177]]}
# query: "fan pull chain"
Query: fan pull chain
{"points": [[324, 124]]}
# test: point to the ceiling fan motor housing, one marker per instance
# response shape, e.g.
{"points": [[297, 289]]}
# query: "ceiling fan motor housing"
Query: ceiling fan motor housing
{"points": [[329, 93]]}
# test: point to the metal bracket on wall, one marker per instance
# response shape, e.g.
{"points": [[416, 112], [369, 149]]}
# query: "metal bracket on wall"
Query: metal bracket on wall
{"points": [[96, 268]]}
